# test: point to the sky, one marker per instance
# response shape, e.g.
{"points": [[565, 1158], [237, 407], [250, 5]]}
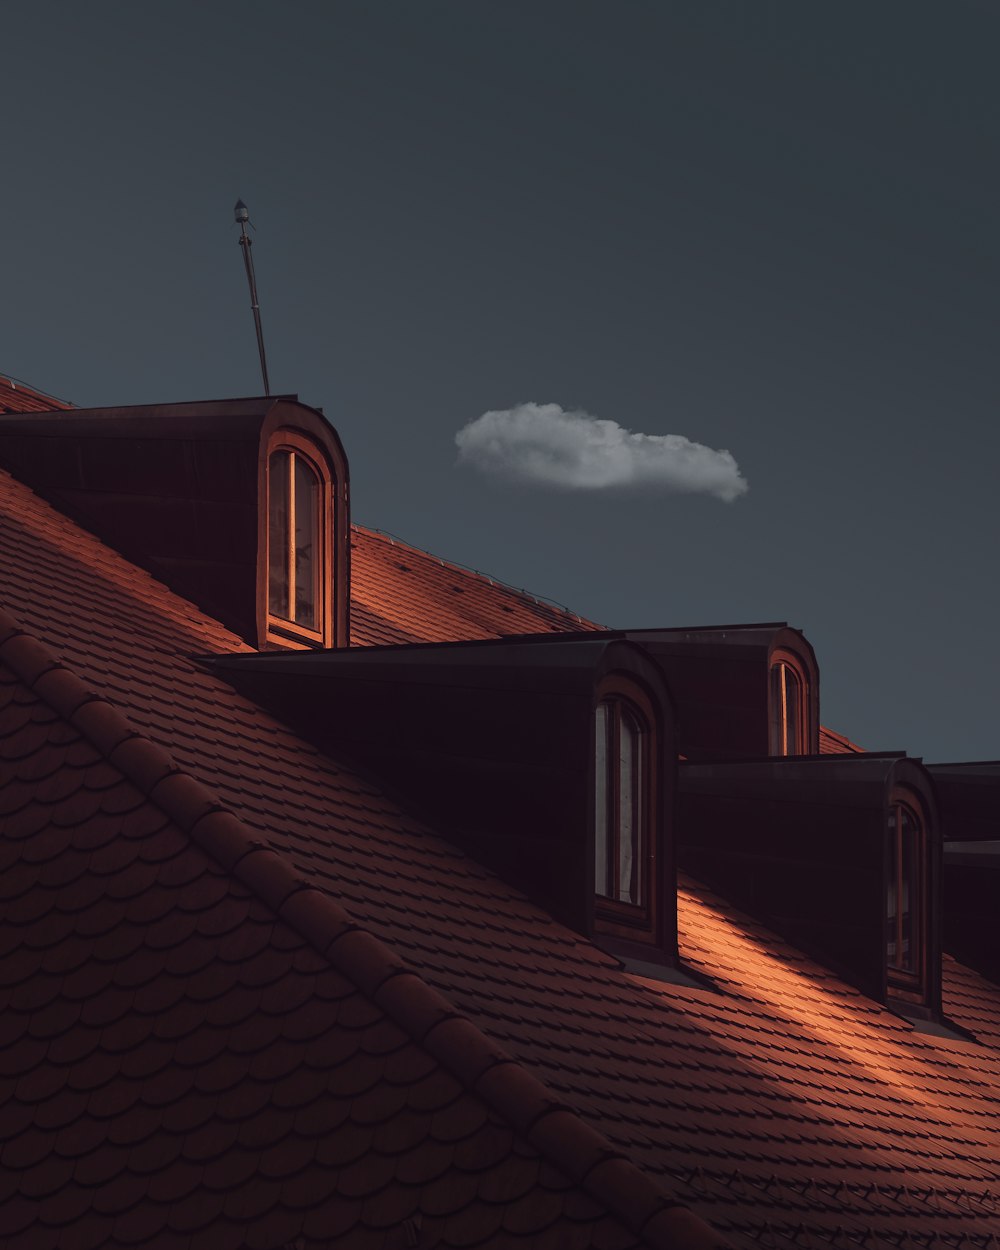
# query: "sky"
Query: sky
{"points": [[722, 276]]}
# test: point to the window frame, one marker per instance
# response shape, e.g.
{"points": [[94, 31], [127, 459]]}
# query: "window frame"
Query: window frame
{"points": [[637, 922], [907, 986], [290, 633], [784, 662]]}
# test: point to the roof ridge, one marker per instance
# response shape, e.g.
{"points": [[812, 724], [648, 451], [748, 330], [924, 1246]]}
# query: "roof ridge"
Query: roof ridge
{"points": [[456, 1042], [540, 600]]}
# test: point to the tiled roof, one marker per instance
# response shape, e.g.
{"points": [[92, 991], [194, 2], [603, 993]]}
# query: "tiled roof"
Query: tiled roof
{"points": [[402, 594], [16, 397], [244, 788], [183, 1067], [833, 743], [780, 1104]]}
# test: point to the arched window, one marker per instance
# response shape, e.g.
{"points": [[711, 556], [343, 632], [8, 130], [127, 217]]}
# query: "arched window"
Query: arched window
{"points": [[905, 911], [624, 806], [299, 551], [788, 703]]}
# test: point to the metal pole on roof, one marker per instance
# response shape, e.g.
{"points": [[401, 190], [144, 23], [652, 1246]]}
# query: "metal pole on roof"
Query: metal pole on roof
{"points": [[242, 219]]}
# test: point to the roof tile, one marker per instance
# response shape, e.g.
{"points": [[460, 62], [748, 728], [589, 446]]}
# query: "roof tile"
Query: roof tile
{"points": [[449, 1194], [391, 1205]]}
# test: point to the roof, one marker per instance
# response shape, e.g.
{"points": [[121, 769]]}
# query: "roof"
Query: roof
{"points": [[177, 1028], [116, 645], [17, 397], [833, 743], [402, 594], [772, 1099]]}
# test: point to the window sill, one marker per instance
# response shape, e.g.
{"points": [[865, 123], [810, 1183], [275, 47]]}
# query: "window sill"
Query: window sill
{"points": [[637, 950], [669, 974], [926, 1024], [279, 635]]}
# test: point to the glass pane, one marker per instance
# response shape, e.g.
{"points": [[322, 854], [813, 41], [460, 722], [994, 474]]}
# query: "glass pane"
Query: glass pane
{"points": [[277, 533], [601, 882], [790, 710], [307, 545], [777, 745], [628, 808], [891, 902], [908, 889]]}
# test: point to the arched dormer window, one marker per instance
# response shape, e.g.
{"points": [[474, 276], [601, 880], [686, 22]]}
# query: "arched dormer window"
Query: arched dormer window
{"points": [[625, 806], [789, 730], [300, 549], [906, 898]]}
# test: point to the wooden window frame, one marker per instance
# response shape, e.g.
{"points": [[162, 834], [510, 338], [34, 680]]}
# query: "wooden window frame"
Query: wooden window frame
{"points": [[784, 662], [285, 632], [909, 986], [637, 922]]}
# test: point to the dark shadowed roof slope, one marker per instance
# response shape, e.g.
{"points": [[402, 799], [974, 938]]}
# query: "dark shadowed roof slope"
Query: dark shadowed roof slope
{"points": [[183, 1066]]}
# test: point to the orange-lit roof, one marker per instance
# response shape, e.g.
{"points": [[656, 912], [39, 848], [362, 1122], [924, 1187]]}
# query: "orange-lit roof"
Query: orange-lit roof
{"points": [[16, 397], [833, 743], [402, 594]]}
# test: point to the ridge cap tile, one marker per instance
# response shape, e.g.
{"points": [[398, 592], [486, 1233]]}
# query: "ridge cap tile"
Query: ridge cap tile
{"points": [[143, 762], [27, 657], [464, 1049], [371, 961], [560, 1132], [521, 1096], [63, 691], [98, 720], [316, 915], [267, 875]]}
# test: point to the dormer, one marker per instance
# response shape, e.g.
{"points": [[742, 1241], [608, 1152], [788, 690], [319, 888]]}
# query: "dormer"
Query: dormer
{"points": [[969, 794], [241, 506], [840, 854], [550, 760], [740, 690]]}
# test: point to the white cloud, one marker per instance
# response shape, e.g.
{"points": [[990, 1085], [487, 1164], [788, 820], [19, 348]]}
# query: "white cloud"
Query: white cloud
{"points": [[546, 445]]}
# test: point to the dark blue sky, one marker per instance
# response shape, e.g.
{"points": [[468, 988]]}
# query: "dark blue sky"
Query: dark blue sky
{"points": [[768, 227]]}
